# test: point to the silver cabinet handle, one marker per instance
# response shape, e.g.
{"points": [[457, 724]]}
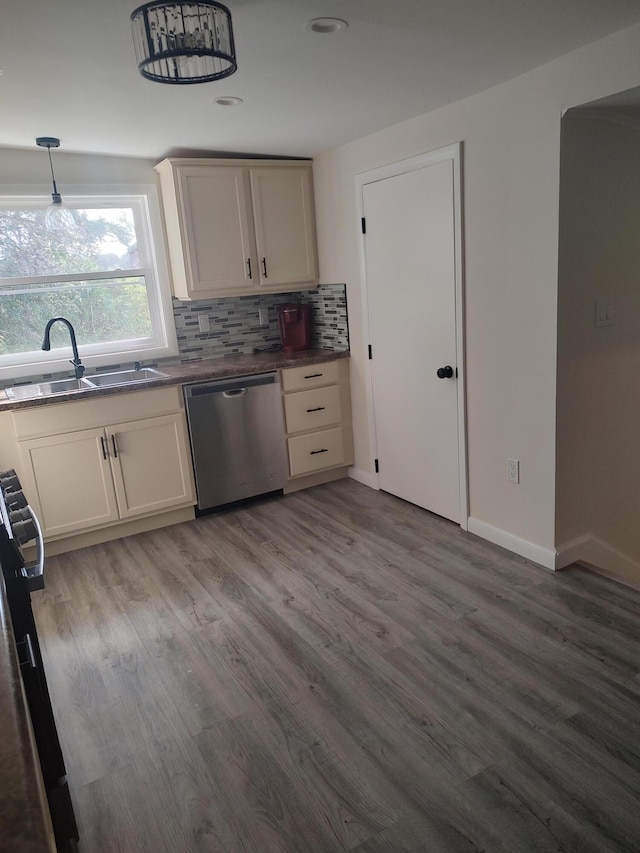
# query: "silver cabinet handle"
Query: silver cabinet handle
{"points": [[30, 658], [34, 572], [313, 375], [104, 447], [313, 452], [249, 267], [264, 267], [114, 445], [316, 409]]}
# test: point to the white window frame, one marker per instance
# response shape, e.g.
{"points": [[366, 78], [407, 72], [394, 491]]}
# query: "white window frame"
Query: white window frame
{"points": [[143, 199]]}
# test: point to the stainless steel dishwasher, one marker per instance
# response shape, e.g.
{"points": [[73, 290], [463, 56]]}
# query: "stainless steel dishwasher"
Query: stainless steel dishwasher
{"points": [[237, 438]]}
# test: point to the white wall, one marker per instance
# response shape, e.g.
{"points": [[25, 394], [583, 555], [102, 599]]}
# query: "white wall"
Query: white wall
{"points": [[511, 138], [598, 462], [22, 167]]}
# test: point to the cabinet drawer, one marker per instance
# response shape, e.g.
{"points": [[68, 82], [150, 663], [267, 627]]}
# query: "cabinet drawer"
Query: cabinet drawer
{"points": [[313, 409], [317, 450], [310, 376]]}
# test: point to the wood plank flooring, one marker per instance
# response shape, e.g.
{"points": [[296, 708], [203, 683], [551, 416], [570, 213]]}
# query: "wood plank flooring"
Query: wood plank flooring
{"points": [[339, 670]]}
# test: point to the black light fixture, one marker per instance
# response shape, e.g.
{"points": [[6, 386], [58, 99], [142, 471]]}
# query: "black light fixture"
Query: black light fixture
{"points": [[56, 215], [183, 42]]}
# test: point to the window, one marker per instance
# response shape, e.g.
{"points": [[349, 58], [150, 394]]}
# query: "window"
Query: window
{"points": [[102, 275]]}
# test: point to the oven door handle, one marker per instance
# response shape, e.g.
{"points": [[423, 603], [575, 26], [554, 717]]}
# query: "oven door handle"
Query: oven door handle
{"points": [[34, 572]]}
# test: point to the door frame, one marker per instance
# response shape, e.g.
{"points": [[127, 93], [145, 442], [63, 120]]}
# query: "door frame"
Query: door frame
{"points": [[452, 153]]}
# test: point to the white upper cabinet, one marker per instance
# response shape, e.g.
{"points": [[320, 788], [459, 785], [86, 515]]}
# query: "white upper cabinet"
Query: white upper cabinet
{"points": [[239, 227], [217, 241], [284, 222]]}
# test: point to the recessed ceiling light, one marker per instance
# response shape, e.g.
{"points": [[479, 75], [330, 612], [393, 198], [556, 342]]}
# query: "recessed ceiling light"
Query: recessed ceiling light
{"points": [[228, 101], [326, 25]]}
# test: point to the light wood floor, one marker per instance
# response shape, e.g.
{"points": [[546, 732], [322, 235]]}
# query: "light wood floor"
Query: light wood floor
{"points": [[338, 670]]}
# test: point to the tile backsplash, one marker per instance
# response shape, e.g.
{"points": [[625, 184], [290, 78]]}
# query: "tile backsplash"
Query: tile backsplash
{"points": [[330, 323], [234, 326]]}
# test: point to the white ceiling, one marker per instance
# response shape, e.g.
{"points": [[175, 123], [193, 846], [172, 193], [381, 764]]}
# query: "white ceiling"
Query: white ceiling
{"points": [[68, 70]]}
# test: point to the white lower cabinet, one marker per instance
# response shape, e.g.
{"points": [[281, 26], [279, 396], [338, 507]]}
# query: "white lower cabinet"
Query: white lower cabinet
{"points": [[150, 462], [72, 480], [91, 478], [317, 408], [106, 461]]}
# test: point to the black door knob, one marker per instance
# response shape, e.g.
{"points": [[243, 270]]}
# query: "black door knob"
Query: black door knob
{"points": [[445, 372]]}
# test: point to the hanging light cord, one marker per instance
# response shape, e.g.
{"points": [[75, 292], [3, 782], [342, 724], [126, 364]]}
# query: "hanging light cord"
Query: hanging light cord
{"points": [[53, 177]]}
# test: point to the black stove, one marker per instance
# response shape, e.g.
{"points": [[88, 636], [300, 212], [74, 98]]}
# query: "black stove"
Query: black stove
{"points": [[19, 526]]}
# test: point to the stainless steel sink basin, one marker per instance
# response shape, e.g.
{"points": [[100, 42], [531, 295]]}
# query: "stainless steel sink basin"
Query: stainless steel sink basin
{"points": [[100, 380], [45, 389], [125, 377]]}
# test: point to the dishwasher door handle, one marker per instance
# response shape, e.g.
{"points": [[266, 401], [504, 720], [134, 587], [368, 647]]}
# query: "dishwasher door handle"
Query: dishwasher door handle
{"points": [[237, 392]]}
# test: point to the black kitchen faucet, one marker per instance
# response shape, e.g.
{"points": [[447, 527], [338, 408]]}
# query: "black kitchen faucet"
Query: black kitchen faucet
{"points": [[46, 344]]}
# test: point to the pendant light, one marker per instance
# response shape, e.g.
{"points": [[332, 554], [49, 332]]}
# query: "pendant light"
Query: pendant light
{"points": [[56, 215], [183, 42]]}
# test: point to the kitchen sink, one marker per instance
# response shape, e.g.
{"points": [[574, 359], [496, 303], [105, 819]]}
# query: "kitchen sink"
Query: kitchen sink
{"points": [[125, 377], [45, 389], [100, 380]]}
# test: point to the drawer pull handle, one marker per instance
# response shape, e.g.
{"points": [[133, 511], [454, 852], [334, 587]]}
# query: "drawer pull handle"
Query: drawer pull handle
{"points": [[249, 267], [313, 452], [313, 375], [30, 658], [115, 446], [317, 409], [104, 449], [264, 267]]}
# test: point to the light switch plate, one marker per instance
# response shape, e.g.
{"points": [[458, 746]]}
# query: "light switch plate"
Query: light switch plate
{"points": [[603, 312], [203, 323], [263, 315]]}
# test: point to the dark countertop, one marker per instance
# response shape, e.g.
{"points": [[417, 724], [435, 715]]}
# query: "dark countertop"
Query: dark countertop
{"points": [[193, 371], [24, 824]]}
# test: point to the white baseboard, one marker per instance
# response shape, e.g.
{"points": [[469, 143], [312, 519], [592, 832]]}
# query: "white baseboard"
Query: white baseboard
{"points": [[364, 477], [600, 556], [545, 557], [573, 551]]}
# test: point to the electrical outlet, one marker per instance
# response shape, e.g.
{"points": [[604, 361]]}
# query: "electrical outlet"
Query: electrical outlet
{"points": [[203, 322], [263, 315], [513, 470]]}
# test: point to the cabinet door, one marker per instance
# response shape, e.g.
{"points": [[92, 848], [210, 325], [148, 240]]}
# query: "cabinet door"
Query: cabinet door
{"points": [[219, 251], [285, 227], [71, 478], [151, 465]]}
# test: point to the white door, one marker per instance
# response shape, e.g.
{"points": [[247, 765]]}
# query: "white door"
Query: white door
{"points": [[410, 257]]}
